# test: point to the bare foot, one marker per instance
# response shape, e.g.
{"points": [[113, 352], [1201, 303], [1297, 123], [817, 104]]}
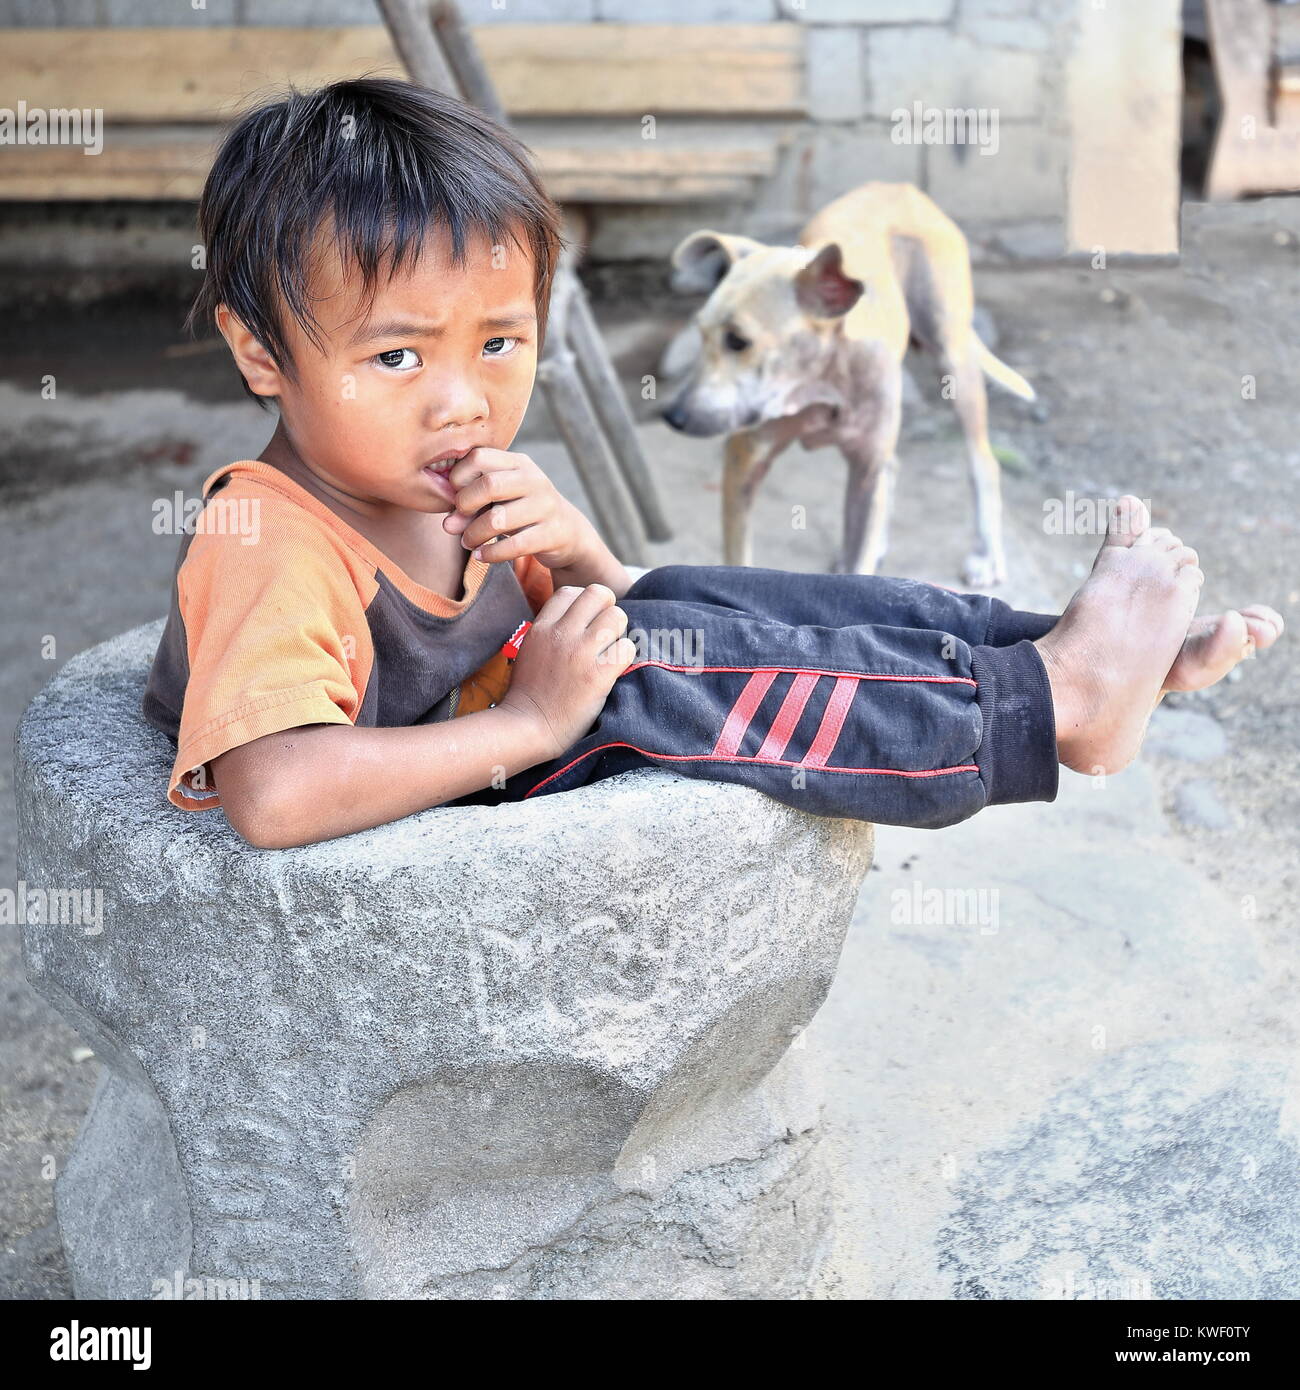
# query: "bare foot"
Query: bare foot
{"points": [[1108, 656], [1213, 646]]}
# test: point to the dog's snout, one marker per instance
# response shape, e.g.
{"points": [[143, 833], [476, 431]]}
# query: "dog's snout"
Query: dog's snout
{"points": [[675, 414]]}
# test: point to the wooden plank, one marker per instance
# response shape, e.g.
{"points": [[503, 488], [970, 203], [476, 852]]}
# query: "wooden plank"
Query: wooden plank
{"points": [[1124, 98], [149, 162], [172, 162], [213, 72], [627, 70], [640, 69], [1251, 153]]}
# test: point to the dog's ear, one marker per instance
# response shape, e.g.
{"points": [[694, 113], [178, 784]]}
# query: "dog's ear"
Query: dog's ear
{"points": [[703, 258], [822, 287]]}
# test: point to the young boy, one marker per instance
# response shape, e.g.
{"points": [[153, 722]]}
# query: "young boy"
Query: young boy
{"points": [[379, 261]]}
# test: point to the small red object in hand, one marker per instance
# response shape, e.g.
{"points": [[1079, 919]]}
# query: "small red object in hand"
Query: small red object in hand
{"points": [[510, 649]]}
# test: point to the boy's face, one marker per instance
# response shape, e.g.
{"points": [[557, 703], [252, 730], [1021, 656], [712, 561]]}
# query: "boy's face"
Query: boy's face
{"points": [[444, 360]]}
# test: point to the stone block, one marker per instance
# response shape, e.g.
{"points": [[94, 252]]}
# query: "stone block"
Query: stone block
{"points": [[836, 73], [992, 31], [867, 11], [542, 1050], [843, 159], [947, 70], [685, 11], [1025, 177]]}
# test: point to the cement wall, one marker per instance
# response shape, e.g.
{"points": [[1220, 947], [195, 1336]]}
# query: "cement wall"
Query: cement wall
{"points": [[1030, 178]]}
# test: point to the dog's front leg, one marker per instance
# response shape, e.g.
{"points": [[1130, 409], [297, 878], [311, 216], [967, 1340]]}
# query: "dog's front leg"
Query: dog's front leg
{"points": [[749, 455], [868, 504], [872, 456]]}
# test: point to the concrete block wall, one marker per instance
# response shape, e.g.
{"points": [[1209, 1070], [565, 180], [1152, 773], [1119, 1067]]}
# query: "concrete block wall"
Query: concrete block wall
{"points": [[1010, 61], [1002, 57], [868, 60]]}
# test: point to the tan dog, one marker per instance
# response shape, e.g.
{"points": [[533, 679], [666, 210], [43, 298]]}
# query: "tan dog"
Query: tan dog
{"points": [[807, 343]]}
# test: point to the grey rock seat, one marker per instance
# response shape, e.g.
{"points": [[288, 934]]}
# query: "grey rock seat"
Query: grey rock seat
{"points": [[533, 1051]]}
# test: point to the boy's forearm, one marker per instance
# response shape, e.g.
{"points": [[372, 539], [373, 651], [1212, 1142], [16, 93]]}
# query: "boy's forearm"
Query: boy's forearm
{"points": [[335, 779]]}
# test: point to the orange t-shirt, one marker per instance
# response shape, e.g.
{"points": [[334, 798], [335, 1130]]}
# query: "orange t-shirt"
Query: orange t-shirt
{"points": [[283, 615]]}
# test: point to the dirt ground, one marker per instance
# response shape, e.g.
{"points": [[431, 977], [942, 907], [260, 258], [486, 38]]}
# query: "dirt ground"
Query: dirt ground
{"points": [[1176, 383]]}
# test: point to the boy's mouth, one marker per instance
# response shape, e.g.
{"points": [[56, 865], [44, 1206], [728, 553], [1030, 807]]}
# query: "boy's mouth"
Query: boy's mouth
{"points": [[443, 463], [437, 469]]}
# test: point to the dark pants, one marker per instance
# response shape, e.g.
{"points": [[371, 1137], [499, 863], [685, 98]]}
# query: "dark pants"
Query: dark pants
{"points": [[879, 699]]}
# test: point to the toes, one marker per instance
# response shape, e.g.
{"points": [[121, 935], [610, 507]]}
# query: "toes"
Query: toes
{"points": [[1266, 624], [1213, 647], [1235, 634], [1129, 519], [1185, 555], [1230, 644]]}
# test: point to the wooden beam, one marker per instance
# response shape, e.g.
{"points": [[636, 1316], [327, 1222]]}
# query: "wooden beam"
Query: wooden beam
{"points": [[1257, 146], [1124, 98], [171, 162], [539, 69]]}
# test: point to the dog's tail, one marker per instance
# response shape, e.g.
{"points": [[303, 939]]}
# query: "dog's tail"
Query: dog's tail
{"points": [[997, 370]]}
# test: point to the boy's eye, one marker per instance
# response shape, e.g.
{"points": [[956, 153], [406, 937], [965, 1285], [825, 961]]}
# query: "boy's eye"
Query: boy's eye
{"points": [[398, 365], [493, 347]]}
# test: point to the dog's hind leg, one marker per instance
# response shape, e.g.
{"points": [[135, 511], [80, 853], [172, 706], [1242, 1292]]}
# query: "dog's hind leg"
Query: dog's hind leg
{"points": [[749, 454], [987, 564]]}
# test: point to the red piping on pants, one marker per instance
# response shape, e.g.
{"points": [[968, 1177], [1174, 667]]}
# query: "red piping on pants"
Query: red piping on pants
{"points": [[836, 710], [804, 670], [767, 762]]}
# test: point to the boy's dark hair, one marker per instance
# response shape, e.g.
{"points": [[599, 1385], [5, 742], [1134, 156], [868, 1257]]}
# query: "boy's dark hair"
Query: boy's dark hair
{"points": [[384, 161]]}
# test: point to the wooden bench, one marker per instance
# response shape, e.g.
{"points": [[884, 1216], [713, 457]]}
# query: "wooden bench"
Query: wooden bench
{"points": [[581, 96]]}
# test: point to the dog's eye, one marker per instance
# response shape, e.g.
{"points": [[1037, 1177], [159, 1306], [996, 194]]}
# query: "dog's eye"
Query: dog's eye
{"points": [[734, 341]]}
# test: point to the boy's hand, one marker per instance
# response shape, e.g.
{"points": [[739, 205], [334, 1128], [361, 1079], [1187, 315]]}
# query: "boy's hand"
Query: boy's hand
{"points": [[571, 657], [502, 494]]}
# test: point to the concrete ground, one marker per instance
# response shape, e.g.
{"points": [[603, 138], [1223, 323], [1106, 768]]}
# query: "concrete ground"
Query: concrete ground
{"points": [[1082, 1086]]}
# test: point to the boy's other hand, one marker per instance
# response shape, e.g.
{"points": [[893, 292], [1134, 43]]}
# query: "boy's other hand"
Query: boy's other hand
{"points": [[508, 495], [574, 652]]}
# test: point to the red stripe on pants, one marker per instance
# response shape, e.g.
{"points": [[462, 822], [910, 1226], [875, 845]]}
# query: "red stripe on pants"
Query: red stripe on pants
{"points": [[733, 731], [787, 719], [836, 711]]}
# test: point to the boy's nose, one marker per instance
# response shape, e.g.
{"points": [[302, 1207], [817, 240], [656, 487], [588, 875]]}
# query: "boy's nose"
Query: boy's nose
{"points": [[456, 404]]}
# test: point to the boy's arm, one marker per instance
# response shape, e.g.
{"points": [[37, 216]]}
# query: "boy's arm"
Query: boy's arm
{"points": [[594, 562], [320, 781]]}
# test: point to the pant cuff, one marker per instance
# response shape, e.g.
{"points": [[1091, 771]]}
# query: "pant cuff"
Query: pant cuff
{"points": [[1009, 625], [1017, 755]]}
